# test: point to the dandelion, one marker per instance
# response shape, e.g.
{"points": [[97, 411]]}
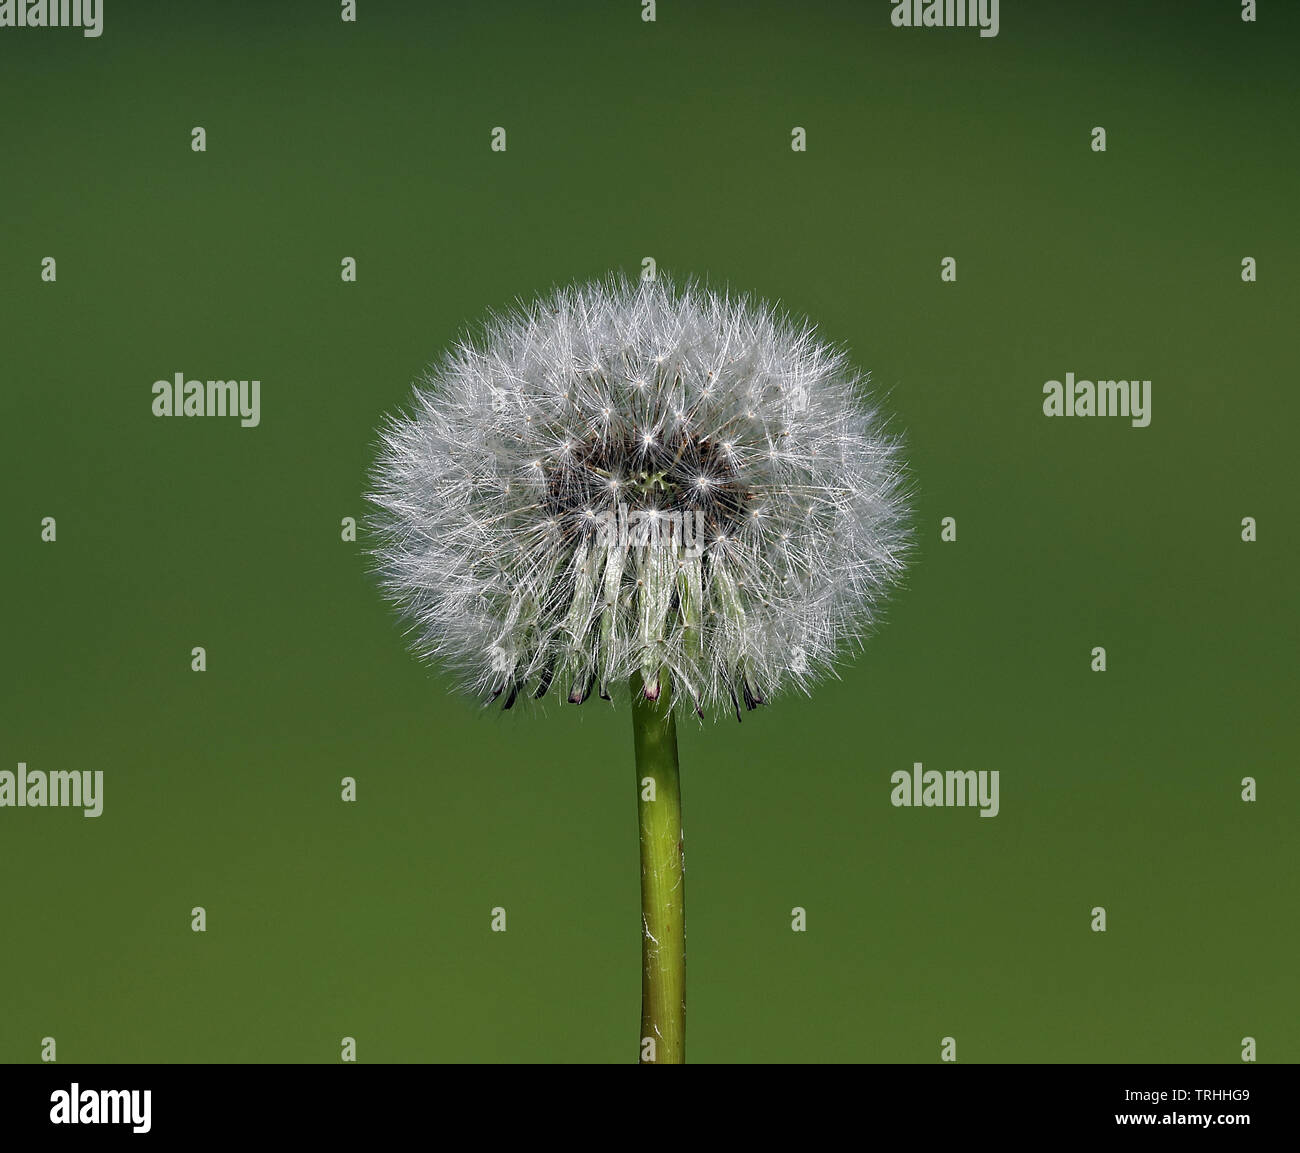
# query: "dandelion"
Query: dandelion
{"points": [[679, 491]]}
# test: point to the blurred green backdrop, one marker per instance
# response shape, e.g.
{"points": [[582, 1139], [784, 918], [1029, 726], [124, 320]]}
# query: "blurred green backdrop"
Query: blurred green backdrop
{"points": [[670, 139]]}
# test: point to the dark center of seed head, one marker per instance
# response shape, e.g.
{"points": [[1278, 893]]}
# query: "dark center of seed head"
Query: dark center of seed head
{"points": [[671, 473]]}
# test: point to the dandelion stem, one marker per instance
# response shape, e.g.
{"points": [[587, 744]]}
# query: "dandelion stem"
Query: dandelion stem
{"points": [[663, 883]]}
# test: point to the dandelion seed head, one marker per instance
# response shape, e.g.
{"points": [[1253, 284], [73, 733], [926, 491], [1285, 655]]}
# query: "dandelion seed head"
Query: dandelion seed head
{"points": [[704, 488]]}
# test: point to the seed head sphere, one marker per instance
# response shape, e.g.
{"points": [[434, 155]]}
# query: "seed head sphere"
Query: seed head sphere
{"points": [[627, 477]]}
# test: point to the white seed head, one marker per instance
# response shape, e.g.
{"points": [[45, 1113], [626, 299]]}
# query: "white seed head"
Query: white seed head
{"points": [[627, 477]]}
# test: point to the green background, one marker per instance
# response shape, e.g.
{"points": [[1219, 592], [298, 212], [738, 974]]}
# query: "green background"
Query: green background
{"points": [[672, 140]]}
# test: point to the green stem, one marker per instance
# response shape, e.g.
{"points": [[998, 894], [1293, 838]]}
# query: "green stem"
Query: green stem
{"points": [[663, 882]]}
